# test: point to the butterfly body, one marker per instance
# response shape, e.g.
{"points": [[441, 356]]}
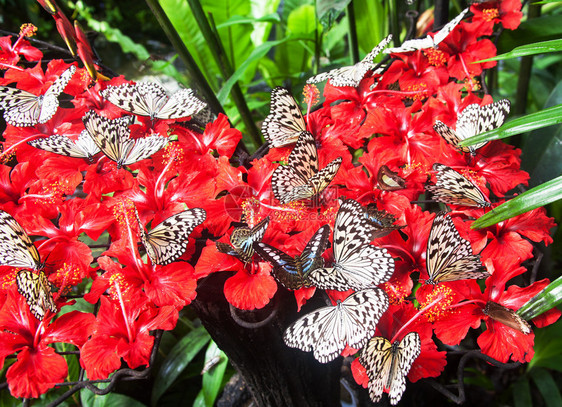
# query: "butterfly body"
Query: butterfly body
{"points": [[300, 178], [285, 122], [449, 257], [388, 364], [23, 109], [293, 272], [327, 330], [453, 188], [243, 239]]}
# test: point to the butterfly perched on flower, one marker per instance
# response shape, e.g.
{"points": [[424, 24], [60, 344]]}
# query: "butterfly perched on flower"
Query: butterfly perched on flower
{"points": [[300, 178], [449, 257], [243, 239], [507, 317], [473, 120], [327, 330], [357, 264], [389, 180], [381, 221], [112, 138], [293, 272], [150, 99], [17, 250], [84, 147], [22, 108], [284, 123], [351, 75], [429, 41], [388, 364], [453, 188], [167, 241]]}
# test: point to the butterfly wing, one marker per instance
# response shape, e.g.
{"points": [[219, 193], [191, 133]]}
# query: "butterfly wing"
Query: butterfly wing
{"points": [[50, 102], [453, 188], [84, 147], [311, 257], [16, 248], [449, 257], [285, 269], [285, 122], [406, 353], [381, 221], [143, 99], [376, 357], [449, 27], [181, 104], [168, 240], [21, 108], [111, 136], [324, 177], [328, 329], [243, 239], [37, 292], [143, 148]]}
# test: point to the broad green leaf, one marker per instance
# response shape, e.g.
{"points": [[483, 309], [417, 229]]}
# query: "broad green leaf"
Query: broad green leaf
{"points": [[522, 393], [547, 299], [547, 387], [215, 366], [329, 10], [89, 399], [529, 49], [546, 117], [536, 197], [548, 347], [176, 361], [371, 22], [270, 18]]}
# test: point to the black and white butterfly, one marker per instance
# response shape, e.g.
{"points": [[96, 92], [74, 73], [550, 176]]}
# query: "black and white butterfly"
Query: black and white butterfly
{"points": [[507, 317], [453, 188], [449, 257], [22, 108], [428, 41], [167, 241], [327, 330], [243, 239], [293, 272], [388, 364], [357, 264], [284, 123], [300, 178], [112, 138], [473, 120], [84, 147], [36, 290], [352, 75], [17, 250], [150, 99]]}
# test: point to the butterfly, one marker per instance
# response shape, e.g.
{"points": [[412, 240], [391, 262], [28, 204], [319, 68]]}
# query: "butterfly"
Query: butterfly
{"points": [[357, 264], [150, 99], [351, 75], [389, 180], [388, 364], [507, 317], [16, 248], [449, 257], [36, 290], [293, 272], [381, 221], [112, 137], [84, 147], [243, 239], [300, 178], [284, 123], [168, 240], [453, 188], [428, 41], [327, 330], [473, 120], [22, 108]]}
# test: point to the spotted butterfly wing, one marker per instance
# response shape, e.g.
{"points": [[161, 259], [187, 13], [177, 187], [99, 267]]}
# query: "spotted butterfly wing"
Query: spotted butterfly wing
{"points": [[150, 99], [300, 178], [428, 41], [16, 248], [37, 292], [293, 273], [357, 264], [167, 241], [474, 120], [22, 108], [284, 123], [84, 147], [328, 330], [388, 364], [243, 239], [453, 188], [112, 138], [449, 257], [351, 75]]}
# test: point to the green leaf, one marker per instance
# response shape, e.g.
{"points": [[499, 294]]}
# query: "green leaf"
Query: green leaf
{"points": [[546, 117], [370, 19], [526, 50], [548, 347], [547, 299], [522, 393], [536, 197], [270, 18], [329, 10], [176, 361], [215, 366], [547, 387], [89, 399]]}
